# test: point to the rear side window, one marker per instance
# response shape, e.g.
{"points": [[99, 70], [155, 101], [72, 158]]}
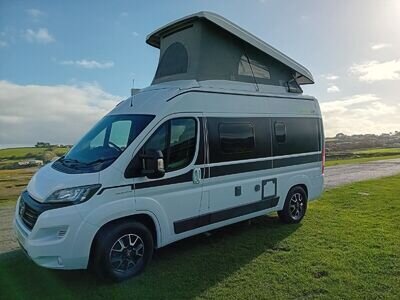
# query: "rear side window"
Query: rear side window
{"points": [[231, 139], [295, 135], [236, 138]]}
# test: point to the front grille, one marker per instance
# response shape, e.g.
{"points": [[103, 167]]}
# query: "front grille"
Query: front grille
{"points": [[29, 209], [27, 213]]}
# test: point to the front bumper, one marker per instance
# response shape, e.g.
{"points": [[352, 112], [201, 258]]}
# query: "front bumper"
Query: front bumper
{"points": [[55, 241]]}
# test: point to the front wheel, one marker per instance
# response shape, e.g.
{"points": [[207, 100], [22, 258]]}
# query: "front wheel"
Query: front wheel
{"points": [[123, 251], [295, 206]]}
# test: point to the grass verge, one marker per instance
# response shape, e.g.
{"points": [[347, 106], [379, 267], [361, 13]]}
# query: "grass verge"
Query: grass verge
{"points": [[347, 247], [359, 160]]}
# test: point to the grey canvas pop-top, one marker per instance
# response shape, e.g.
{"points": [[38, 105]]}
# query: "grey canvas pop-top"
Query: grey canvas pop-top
{"points": [[206, 46]]}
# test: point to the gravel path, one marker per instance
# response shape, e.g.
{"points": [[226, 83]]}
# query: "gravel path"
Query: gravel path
{"points": [[334, 176], [7, 240], [339, 175]]}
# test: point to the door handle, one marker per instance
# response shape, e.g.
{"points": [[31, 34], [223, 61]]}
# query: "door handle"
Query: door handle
{"points": [[196, 176]]}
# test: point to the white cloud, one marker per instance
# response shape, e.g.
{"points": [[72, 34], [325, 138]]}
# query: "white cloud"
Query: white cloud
{"points": [[3, 44], [376, 71], [35, 13], [89, 64], [42, 36], [333, 89], [365, 113], [58, 114], [124, 14], [380, 46], [135, 34], [330, 77]]}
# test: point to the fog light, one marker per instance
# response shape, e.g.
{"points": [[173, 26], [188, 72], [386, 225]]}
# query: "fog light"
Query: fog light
{"points": [[61, 233], [59, 260]]}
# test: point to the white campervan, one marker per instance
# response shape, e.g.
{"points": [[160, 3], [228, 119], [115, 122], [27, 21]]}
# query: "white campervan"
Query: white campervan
{"points": [[223, 134]]}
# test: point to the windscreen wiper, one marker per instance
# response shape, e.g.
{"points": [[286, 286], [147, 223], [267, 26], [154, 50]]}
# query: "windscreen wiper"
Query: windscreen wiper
{"points": [[74, 161], [100, 160]]}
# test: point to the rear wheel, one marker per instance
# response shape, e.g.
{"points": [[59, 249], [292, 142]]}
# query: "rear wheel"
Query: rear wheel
{"points": [[295, 206], [123, 251]]}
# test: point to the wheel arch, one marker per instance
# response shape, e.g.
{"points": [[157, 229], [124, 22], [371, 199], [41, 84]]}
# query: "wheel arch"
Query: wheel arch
{"points": [[298, 180], [145, 218], [303, 186]]}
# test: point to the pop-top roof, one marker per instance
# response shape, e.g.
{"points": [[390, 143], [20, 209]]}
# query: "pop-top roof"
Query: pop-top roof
{"points": [[302, 75]]}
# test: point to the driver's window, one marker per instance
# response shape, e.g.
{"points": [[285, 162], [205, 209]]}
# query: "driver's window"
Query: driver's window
{"points": [[158, 140], [119, 134], [177, 140]]}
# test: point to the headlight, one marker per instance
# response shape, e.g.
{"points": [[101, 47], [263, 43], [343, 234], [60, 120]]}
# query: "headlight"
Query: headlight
{"points": [[77, 194]]}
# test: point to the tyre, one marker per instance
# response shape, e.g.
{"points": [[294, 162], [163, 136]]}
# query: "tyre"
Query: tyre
{"points": [[122, 251], [295, 206]]}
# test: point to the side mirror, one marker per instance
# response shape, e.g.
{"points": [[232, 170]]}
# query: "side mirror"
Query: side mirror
{"points": [[153, 164]]}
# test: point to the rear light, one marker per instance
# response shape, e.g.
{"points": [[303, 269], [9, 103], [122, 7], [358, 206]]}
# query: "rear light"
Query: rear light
{"points": [[323, 160]]}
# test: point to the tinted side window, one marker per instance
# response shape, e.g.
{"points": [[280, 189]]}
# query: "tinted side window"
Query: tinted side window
{"points": [[177, 140], [158, 140], [236, 138], [182, 144], [295, 135], [231, 139]]}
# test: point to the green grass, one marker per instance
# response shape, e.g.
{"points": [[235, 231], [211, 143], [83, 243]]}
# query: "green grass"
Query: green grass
{"points": [[12, 182], [364, 155], [359, 160], [378, 151], [21, 153], [347, 247]]}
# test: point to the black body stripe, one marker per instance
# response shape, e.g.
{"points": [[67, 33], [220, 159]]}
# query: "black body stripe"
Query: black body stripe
{"points": [[299, 160], [240, 168], [186, 177], [263, 165], [113, 187], [222, 215], [225, 170]]}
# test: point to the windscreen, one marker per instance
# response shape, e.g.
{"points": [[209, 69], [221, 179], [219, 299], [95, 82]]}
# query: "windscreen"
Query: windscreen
{"points": [[105, 142]]}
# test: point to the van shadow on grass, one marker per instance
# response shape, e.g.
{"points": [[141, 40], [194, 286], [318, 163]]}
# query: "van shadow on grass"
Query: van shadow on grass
{"points": [[184, 269]]}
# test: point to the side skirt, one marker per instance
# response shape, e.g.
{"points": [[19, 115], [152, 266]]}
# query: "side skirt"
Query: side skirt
{"points": [[222, 215]]}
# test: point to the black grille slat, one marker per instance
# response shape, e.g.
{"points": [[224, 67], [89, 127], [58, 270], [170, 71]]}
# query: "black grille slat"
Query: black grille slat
{"points": [[33, 209], [29, 216]]}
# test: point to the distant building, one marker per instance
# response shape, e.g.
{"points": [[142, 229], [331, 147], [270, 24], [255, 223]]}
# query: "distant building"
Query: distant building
{"points": [[31, 162], [42, 145]]}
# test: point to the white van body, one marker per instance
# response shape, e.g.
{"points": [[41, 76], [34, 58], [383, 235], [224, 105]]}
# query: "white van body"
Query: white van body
{"points": [[208, 192]]}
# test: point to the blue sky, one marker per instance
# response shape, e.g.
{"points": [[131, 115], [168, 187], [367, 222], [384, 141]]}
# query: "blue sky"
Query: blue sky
{"points": [[97, 47]]}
